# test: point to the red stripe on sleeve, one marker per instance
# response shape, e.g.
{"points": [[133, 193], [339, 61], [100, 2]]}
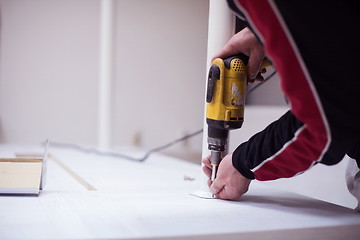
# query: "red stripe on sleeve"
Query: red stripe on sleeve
{"points": [[312, 140]]}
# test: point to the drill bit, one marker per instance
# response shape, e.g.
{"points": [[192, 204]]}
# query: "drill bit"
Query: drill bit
{"points": [[213, 171], [215, 158]]}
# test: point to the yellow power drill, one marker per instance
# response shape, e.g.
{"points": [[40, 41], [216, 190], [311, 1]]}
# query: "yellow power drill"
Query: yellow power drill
{"points": [[225, 102]]}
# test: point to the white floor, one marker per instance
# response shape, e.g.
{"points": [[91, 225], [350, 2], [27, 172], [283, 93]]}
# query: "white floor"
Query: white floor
{"points": [[122, 199]]}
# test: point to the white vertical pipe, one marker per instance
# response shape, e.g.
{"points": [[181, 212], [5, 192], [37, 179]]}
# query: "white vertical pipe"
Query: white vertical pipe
{"points": [[220, 29], [106, 73]]}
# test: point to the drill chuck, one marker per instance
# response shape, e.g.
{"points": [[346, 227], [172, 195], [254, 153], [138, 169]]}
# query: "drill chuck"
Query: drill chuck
{"points": [[217, 141], [217, 138]]}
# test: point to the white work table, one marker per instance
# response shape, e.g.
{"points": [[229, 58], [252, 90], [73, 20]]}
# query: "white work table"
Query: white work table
{"points": [[93, 197]]}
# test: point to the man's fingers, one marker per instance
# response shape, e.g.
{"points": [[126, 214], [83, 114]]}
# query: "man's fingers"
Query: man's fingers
{"points": [[209, 182], [207, 171], [228, 50], [216, 187], [206, 162], [207, 168], [256, 57], [223, 194], [254, 66]]}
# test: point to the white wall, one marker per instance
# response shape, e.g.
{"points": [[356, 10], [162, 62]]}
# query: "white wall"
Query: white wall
{"points": [[48, 71], [50, 67], [160, 71]]}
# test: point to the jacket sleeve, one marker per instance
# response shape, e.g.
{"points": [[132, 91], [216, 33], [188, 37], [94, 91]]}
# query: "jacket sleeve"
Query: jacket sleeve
{"points": [[322, 126], [300, 138], [250, 157]]}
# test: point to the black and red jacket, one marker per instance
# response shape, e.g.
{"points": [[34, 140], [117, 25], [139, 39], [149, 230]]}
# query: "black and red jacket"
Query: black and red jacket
{"points": [[315, 48]]}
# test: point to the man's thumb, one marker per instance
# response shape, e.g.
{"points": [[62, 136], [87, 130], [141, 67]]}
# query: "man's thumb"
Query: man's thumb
{"points": [[216, 186]]}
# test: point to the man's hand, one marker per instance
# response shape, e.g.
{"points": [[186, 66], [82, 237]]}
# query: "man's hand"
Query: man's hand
{"points": [[245, 42], [229, 183]]}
